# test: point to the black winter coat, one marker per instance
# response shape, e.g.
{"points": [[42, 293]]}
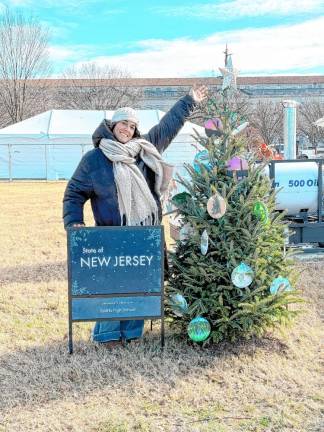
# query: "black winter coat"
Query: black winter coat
{"points": [[94, 178]]}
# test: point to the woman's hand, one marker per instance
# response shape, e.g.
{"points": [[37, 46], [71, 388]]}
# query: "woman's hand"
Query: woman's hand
{"points": [[199, 93]]}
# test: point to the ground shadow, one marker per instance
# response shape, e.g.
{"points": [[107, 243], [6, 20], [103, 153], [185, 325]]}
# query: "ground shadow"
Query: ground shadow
{"points": [[38, 374], [44, 272]]}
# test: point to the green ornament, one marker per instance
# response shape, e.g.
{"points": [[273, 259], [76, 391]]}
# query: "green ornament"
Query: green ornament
{"points": [[233, 116], [260, 211], [199, 329], [180, 198]]}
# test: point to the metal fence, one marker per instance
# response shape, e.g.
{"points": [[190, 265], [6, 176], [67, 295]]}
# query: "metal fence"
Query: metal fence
{"points": [[40, 161]]}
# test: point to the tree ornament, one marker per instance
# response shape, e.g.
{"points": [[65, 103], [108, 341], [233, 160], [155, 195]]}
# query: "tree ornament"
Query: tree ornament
{"points": [[279, 285], [202, 158], [242, 276], [237, 164], [216, 206], [178, 304], [214, 127], [204, 243], [199, 329], [186, 231], [239, 129], [180, 198], [260, 211], [233, 116], [229, 74]]}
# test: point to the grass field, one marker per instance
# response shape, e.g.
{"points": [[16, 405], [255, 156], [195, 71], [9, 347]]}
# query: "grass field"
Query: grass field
{"points": [[273, 384]]}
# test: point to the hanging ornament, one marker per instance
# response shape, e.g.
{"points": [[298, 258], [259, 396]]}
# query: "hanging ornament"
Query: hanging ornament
{"points": [[242, 275], [216, 206], [204, 243], [180, 198], [178, 304], [202, 158], [237, 164], [240, 128], [186, 232], [260, 210], [265, 152], [213, 127], [233, 116], [199, 329], [279, 285]]}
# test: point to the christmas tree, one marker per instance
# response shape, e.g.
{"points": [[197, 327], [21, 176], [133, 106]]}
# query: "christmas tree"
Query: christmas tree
{"points": [[230, 276]]}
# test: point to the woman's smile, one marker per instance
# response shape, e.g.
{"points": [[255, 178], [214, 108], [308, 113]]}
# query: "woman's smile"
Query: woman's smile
{"points": [[124, 131]]}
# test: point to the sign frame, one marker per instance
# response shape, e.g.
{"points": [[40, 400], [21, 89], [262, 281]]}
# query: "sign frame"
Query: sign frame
{"points": [[113, 295]]}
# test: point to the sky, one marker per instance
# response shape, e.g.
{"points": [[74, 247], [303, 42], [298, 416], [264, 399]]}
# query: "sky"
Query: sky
{"points": [[176, 38]]}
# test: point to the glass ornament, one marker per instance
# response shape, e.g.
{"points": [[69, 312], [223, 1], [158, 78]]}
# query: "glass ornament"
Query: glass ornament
{"points": [[202, 158], [204, 243], [216, 206], [279, 285], [213, 127], [199, 329], [240, 128], [260, 211], [186, 231], [180, 198], [178, 304], [242, 276], [233, 116]]}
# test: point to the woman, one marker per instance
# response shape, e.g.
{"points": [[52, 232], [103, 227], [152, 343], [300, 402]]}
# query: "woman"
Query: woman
{"points": [[124, 177]]}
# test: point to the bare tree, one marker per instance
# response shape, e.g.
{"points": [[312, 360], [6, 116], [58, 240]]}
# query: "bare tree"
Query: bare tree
{"points": [[96, 87], [237, 102], [23, 59], [308, 112], [267, 118]]}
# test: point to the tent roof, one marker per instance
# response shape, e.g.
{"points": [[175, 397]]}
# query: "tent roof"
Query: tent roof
{"points": [[319, 122], [80, 123]]}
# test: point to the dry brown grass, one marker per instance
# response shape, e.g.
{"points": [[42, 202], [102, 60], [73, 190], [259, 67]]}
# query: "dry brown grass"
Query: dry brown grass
{"points": [[273, 384]]}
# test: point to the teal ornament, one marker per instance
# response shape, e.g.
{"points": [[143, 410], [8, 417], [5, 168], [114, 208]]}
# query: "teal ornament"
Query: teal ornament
{"points": [[204, 243], [180, 198], [202, 158], [199, 329], [242, 276], [233, 116], [279, 285], [178, 304], [260, 211]]}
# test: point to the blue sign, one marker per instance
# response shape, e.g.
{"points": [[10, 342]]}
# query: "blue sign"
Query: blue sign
{"points": [[112, 262], [115, 273], [115, 260], [116, 307]]}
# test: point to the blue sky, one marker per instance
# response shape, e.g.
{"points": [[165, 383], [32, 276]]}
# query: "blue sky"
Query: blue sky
{"points": [[176, 38]]}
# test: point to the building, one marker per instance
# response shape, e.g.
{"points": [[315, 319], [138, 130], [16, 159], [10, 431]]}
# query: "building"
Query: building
{"points": [[161, 93]]}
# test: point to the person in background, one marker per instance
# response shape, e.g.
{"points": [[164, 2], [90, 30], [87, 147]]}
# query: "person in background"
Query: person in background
{"points": [[124, 177]]}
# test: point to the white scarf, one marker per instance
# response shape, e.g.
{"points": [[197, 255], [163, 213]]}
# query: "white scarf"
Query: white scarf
{"points": [[135, 200]]}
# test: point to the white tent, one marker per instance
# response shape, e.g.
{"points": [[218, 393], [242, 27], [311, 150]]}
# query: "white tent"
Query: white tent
{"points": [[50, 145], [319, 122]]}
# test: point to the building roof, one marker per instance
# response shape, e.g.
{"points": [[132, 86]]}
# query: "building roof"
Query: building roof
{"points": [[160, 82]]}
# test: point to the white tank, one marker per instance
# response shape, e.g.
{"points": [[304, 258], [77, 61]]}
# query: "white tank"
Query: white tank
{"points": [[299, 183]]}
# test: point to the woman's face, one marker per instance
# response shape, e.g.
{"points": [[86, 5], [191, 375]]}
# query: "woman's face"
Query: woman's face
{"points": [[124, 130]]}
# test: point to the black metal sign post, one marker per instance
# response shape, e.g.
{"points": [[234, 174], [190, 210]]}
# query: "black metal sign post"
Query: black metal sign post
{"points": [[115, 273]]}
